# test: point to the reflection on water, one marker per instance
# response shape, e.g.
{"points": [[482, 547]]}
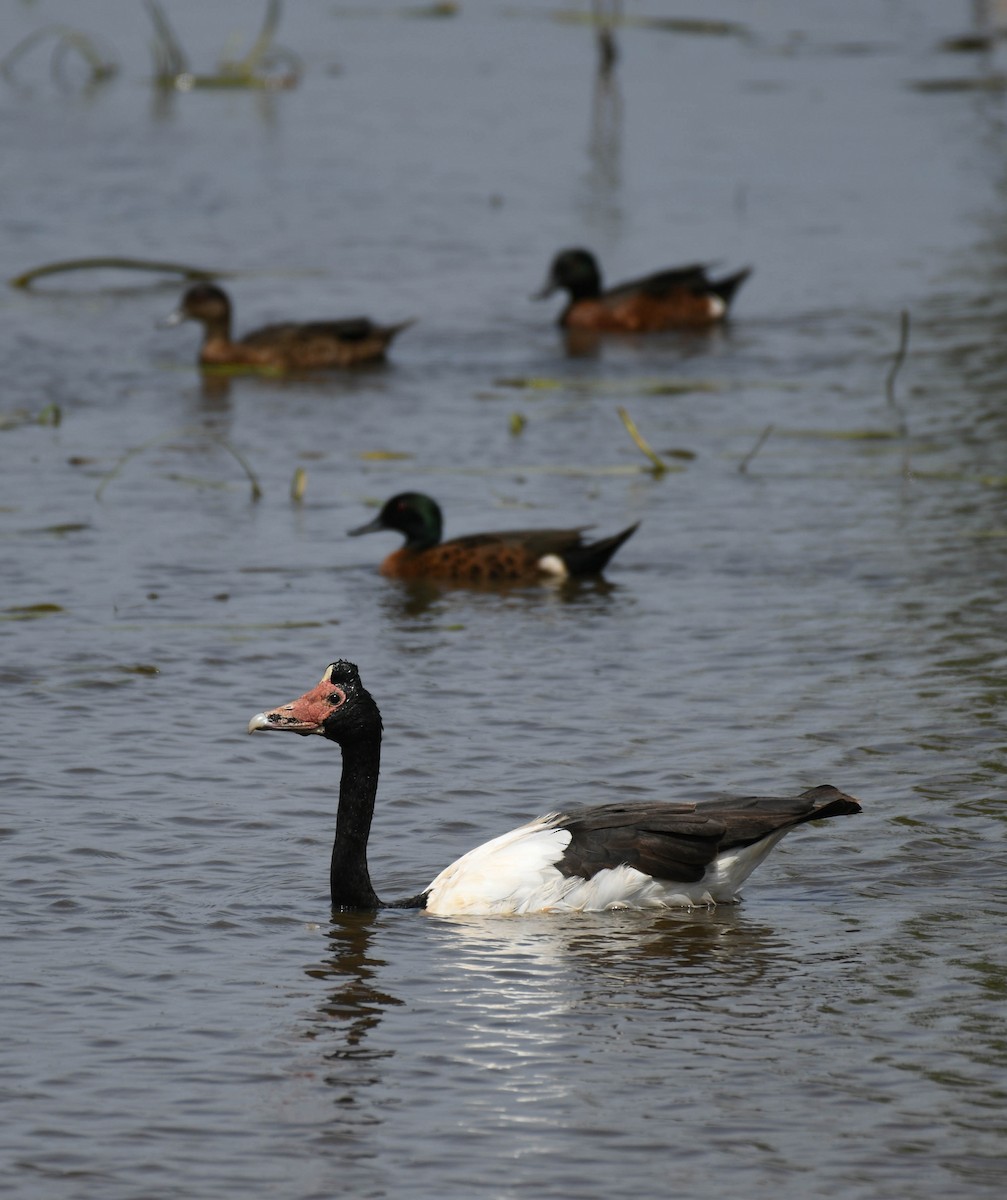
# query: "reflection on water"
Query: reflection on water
{"points": [[350, 1010], [674, 954], [538, 1017], [355, 1005], [940, 1020], [607, 14], [265, 103], [602, 208], [605, 141], [690, 961], [684, 344], [406, 600], [575, 1037]]}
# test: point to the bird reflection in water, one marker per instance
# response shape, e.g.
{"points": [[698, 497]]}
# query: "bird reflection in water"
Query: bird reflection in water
{"points": [[411, 599], [631, 956], [353, 1005], [606, 15]]}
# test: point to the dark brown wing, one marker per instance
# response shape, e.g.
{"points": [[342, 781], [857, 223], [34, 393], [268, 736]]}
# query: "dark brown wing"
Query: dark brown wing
{"points": [[508, 556], [536, 541], [667, 841], [692, 278], [678, 841], [352, 329]]}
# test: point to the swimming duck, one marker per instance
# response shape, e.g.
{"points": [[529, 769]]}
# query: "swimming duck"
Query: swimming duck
{"points": [[637, 854], [511, 556], [681, 297], [281, 347]]}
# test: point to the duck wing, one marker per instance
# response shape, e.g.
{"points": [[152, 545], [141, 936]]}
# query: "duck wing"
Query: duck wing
{"points": [[289, 333], [535, 541], [692, 278]]}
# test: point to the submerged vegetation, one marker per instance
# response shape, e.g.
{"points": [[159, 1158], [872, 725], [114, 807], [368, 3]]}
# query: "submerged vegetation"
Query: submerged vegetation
{"points": [[98, 60], [690, 26], [115, 263], [658, 466], [266, 65], [174, 435], [640, 387], [51, 414]]}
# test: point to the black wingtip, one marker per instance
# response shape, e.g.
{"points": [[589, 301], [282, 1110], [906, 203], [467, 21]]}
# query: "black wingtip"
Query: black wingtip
{"points": [[726, 288], [829, 801], [594, 557]]}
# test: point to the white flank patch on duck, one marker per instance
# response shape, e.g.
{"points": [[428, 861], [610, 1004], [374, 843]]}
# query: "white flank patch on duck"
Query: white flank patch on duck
{"points": [[552, 564], [717, 307]]}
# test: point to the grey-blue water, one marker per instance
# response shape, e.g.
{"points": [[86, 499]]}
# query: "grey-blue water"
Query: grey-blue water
{"points": [[181, 1016]]}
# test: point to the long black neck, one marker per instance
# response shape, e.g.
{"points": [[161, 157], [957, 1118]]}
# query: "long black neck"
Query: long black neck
{"points": [[349, 879]]}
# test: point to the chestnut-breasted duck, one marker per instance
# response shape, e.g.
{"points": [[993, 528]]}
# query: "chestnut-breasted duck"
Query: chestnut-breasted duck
{"points": [[678, 298], [510, 556]]}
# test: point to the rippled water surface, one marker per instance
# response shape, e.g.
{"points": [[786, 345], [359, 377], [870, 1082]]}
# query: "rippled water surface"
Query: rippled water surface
{"points": [[181, 1015]]}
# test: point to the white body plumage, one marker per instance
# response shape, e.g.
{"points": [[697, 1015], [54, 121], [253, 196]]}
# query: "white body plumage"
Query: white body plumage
{"points": [[574, 862], [517, 873]]}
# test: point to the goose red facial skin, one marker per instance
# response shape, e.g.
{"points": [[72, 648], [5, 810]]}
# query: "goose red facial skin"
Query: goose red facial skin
{"points": [[305, 715]]}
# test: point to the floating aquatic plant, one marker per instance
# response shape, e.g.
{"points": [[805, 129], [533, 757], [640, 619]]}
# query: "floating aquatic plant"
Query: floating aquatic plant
{"points": [[51, 414], [445, 9], [899, 359], [265, 66], [61, 529], [841, 435], [160, 440], [658, 466], [100, 64], [968, 43], [640, 387], [115, 263], [563, 470], [760, 442], [30, 612], [693, 26]]}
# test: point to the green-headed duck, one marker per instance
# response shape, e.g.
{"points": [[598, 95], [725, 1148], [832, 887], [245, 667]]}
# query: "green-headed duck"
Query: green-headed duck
{"points": [[511, 556], [679, 298]]}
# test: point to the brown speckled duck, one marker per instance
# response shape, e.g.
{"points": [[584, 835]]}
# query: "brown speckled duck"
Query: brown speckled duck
{"points": [[283, 347]]}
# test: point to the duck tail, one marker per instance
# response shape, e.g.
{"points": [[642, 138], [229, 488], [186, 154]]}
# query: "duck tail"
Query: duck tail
{"points": [[829, 802], [592, 558], [390, 331], [725, 288]]}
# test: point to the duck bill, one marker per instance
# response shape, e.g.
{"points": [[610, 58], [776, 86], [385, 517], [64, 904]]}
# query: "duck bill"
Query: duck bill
{"points": [[172, 319], [305, 715], [545, 291], [374, 526]]}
